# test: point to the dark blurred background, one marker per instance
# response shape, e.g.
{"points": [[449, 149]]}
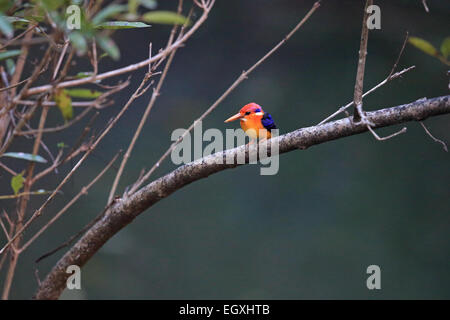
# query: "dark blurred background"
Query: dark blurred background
{"points": [[308, 232]]}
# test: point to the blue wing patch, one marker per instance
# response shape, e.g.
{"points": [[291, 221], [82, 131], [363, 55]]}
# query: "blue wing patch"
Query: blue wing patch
{"points": [[268, 122]]}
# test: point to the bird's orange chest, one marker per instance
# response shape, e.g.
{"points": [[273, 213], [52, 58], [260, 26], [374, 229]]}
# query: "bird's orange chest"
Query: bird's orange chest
{"points": [[252, 127]]}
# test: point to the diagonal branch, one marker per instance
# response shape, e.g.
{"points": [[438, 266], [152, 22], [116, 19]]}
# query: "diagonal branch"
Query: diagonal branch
{"points": [[124, 211]]}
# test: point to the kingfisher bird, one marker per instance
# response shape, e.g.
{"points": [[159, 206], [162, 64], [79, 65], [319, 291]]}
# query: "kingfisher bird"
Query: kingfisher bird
{"points": [[256, 123]]}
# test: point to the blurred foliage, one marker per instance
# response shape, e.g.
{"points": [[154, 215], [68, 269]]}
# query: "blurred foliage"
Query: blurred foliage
{"points": [[64, 16], [429, 49]]}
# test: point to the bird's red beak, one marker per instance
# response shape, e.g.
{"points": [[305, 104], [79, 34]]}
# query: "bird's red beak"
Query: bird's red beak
{"points": [[237, 116]]}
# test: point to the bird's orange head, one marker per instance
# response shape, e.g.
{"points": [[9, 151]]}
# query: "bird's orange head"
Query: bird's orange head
{"points": [[248, 112]]}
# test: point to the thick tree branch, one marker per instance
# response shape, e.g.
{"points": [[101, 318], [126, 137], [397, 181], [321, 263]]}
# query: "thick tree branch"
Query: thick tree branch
{"points": [[123, 211]]}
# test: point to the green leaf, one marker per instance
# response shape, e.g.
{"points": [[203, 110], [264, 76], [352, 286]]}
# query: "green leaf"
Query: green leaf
{"points": [[6, 27], [445, 47], [109, 47], [16, 19], [84, 93], [64, 103], [109, 11], [121, 25], [10, 66], [61, 145], [25, 156], [423, 45], [9, 54], [84, 74], [78, 41], [165, 17], [17, 183]]}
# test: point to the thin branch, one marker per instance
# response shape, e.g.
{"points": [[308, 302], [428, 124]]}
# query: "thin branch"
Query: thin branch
{"points": [[424, 2], [86, 104], [36, 72], [5, 231], [24, 119], [444, 145], [19, 83], [6, 168], [382, 83], [358, 113], [7, 43], [21, 62], [21, 194], [403, 130], [82, 192], [394, 67], [46, 171], [58, 128], [61, 57]]}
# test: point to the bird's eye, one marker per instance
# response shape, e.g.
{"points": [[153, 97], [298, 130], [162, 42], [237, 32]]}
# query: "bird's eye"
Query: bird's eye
{"points": [[247, 113]]}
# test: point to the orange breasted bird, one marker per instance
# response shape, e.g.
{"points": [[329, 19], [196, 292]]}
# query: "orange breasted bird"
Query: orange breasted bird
{"points": [[256, 123]]}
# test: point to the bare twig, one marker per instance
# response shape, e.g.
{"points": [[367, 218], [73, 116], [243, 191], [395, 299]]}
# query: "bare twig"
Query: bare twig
{"points": [[58, 128], [21, 62], [382, 83], [86, 104], [61, 57], [21, 194], [6, 168], [358, 114], [444, 145], [394, 67], [403, 130], [7, 43], [424, 2]]}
